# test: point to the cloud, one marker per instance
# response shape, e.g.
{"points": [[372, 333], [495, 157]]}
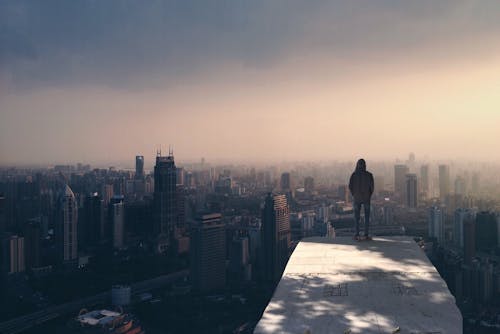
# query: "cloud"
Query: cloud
{"points": [[127, 43]]}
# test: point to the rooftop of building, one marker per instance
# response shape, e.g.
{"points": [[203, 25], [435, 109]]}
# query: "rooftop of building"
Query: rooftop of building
{"points": [[343, 286], [98, 317]]}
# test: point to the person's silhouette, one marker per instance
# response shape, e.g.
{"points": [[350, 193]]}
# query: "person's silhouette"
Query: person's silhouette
{"points": [[361, 187]]}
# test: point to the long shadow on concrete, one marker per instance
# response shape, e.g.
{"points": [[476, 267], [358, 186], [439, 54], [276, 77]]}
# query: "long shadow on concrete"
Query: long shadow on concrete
{"points": [[342, 286]]}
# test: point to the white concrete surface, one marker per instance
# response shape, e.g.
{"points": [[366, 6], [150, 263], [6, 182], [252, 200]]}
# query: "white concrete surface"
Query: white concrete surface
{"points": [[342, 286]]}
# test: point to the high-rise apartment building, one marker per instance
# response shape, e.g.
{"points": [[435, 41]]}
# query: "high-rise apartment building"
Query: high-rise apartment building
{"points": [[208, 253], [275, 235], [411, 193], [444, 181]]}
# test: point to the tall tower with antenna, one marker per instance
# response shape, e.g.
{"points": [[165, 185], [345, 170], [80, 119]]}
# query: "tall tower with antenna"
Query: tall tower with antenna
{"points": [[164, 197]]}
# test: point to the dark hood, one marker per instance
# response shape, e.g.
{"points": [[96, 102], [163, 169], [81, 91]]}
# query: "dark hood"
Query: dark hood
{"points": [[361, 165]]}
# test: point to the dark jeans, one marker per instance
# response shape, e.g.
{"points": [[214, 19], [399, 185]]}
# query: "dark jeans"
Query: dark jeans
{"points": [[357, 215]]}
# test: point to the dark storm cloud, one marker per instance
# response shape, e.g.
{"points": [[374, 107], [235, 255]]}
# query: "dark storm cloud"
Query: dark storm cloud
{"points": [[119, 43]]}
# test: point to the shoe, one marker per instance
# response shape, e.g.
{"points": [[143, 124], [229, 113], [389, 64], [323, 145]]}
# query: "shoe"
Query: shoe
{"points": [[368, 238]]}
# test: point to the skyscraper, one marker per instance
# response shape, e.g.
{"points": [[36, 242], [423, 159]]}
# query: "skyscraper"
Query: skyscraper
{"points": [[3, 215], [164, 211], [239, 259], [32, 247], [436, 224], [469, 240], [400, 172], [424, 180], [285, 182], [379, 184], [411, 191], [117, 220], [139, 167], [13, 254], [208, 253], [309, 184], [460, 218], [388, 214], [444, 181], [486, 231], [475, 182], [276, 235], [460, 186], [92, 225], [67, 235]]}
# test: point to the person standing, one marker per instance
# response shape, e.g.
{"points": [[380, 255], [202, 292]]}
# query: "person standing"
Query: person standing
{"points": [[361, 187]]}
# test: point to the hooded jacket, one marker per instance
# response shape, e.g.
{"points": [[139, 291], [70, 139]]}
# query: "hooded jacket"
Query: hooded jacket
{"points": [[361, 183]]}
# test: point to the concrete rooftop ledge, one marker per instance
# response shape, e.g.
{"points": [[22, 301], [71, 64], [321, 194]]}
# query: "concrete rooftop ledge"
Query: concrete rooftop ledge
{"points": [[342, 286]]}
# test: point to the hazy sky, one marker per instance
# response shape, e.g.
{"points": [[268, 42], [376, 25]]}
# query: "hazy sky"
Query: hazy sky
{"points": [[101, 81]]}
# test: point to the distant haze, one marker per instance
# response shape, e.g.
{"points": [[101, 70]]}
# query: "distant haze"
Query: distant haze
{"points": [[99, 82]]}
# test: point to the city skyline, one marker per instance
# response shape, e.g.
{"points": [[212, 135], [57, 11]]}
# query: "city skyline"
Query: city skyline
{"points": [[99, 83]]}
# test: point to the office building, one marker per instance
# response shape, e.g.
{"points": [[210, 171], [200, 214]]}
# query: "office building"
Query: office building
{"points": [[117, 221], [286, 183], [32, 247], [107, 193], [208, 253], [139, 167], [469, 240], [460, 186], [475, 183], [424, 181], [180, 176], [13, 254], [459, 220], [343, 193], [379, 181], [276, 235], [239, 259], [164, 200], [388, 218], [92, 223], [67, 225], [400, 172], [309, 184], [444, 181], [436, 224], [3, 214], [411, 193], [486, 231]]}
